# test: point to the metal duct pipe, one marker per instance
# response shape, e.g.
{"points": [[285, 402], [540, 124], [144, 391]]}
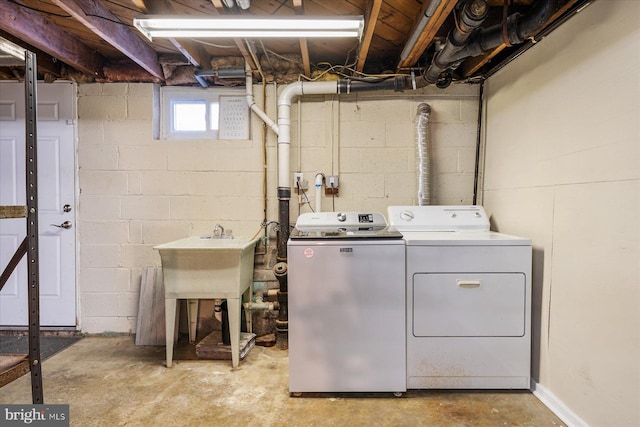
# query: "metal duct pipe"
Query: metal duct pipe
{"points": [[221, 73], [423, 170], [474, 12]]}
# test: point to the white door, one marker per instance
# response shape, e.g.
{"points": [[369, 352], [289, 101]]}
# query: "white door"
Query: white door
{"points": [[56, 202]]}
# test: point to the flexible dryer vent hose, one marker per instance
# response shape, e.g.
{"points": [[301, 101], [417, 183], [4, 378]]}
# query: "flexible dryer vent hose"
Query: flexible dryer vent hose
{"points": [[423, 159]]}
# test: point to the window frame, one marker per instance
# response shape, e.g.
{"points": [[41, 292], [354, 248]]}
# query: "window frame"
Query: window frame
{"points": [[169, 95]]}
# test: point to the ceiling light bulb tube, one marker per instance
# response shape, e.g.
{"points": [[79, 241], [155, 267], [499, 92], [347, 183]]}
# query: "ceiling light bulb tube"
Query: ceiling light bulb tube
{"points": [[231, 27]]}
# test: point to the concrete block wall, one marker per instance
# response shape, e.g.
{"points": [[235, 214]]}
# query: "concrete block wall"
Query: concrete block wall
{"points": [[368, 140], [136, 192]]}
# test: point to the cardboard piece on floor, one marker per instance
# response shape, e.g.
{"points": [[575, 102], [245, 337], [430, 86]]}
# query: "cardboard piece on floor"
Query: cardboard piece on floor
{"points": [[212, 348]]}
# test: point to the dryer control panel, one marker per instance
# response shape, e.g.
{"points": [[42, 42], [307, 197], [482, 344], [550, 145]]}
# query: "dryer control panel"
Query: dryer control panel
{"points": [[438, 218]]}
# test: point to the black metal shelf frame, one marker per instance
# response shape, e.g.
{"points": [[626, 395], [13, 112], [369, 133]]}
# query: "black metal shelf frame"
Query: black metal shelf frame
{"points": [[29, 246]]}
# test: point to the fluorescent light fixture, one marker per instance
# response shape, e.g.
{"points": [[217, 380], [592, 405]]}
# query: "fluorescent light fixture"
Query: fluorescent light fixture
{"points": [[263, 27]]}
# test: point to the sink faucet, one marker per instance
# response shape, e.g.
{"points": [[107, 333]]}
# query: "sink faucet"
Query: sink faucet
{"points": [[218, 230]]}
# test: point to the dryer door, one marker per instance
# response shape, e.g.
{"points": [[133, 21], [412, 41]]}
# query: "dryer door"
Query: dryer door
{"points": [[469, 305]]}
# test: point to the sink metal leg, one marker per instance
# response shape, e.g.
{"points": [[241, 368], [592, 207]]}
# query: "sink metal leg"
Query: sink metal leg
{"points": [[192, 318], [170, 327], [233, 306]]}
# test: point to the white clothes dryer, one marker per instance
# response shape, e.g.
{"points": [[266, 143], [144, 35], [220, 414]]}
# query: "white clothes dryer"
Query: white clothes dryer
{"points": [[468, 300]]}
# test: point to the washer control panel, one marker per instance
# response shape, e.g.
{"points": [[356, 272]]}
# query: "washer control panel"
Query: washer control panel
{"points": [[315, 221]]}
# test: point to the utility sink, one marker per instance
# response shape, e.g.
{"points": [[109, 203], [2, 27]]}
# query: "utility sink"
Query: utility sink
{"points": [[205, 268]]}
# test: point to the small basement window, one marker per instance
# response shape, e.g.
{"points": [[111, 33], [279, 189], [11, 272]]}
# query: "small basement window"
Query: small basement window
{"points": [[193, 113]]}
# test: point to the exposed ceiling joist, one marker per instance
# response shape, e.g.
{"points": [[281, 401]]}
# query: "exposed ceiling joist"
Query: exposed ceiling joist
{"points": [[194, 52], [373, 10], [79, 47], [140, 4], [429, 33], [218, 4], [304, 48], [46, 63], [95, 16], [38, 31]]}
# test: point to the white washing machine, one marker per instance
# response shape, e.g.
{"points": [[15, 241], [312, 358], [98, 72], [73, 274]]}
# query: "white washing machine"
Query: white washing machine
{"points": [[346, 304], [468, 300]]}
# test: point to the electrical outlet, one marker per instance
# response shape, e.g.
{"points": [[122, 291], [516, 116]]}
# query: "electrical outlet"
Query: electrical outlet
{"points": [[331, 185], [299, 183]]}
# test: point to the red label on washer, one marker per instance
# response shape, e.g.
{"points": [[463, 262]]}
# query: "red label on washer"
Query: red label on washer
{"points": [[308, 253]]}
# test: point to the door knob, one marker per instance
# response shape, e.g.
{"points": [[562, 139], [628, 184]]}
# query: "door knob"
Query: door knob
{"points": [[66, 208], [65, 225]]}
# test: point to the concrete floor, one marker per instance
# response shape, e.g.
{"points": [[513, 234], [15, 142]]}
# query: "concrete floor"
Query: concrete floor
{"points": [[108, 381]]}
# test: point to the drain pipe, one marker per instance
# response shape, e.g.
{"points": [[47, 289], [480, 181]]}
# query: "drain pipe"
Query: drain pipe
{"points": [[422, 155], [252, 103], [282, 322], [519, 28], [474, 12]]}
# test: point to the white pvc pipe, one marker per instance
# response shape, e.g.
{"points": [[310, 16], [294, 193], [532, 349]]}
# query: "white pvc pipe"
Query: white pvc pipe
{"points": [[319, 179], [252, 103], [284, 121], [283, 127]]}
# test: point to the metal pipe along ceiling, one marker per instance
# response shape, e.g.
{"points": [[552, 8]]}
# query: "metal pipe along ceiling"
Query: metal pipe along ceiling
{"points": [[464, 42]]}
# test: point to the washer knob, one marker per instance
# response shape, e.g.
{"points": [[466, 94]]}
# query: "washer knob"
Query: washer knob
{"points": [[406, 215], [342, 217]]}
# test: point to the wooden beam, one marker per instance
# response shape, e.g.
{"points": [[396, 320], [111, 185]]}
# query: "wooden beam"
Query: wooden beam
{"points": [[13, 212], [373, 10], [245, 53], [141, 4], [194, 52], [13, 263], [12, 367], [38, 31], [429, 32], [304, 52], [304, 48], [95, 16], [46, 63]]}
